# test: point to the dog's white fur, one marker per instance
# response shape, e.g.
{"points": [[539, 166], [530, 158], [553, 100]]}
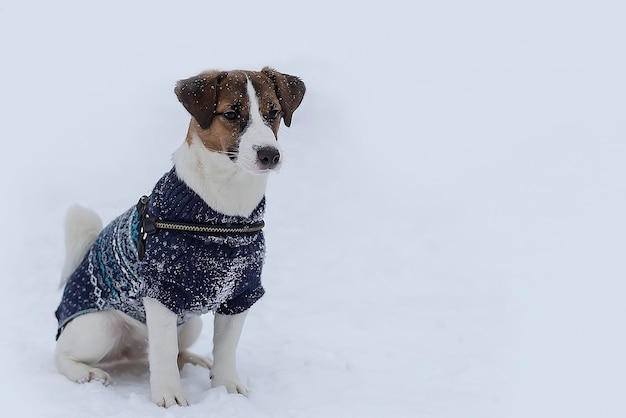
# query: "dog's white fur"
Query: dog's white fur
{"points": [[223, 185], [103, 336], [82, 227]]}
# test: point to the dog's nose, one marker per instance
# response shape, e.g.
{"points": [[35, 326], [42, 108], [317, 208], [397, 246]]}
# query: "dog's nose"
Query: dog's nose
{"points": [[268, 157]]}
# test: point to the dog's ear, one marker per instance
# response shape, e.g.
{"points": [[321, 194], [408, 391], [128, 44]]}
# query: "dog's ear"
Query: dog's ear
{"points": [[199, 96], [289, 89]]}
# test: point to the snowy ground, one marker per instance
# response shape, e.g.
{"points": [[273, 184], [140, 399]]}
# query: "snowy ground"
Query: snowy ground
{"points": [[447, 235]]}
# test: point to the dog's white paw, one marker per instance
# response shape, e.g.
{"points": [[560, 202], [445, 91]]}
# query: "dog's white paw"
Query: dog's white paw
{"points": [[186, 357], [95, 374], [232, 385], [169, 397]]}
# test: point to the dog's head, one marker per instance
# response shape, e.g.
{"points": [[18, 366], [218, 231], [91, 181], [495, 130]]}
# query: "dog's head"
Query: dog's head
{"points": [[238, 113]]}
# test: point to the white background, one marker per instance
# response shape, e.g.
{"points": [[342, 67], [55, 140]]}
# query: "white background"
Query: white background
{"points": [[446, 237]]}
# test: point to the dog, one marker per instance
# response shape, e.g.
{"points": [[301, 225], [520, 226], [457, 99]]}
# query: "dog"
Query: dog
{"points": [[137, 287]]}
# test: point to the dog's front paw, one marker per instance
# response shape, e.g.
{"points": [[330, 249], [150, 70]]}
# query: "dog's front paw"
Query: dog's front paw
{"points": [[167, 397], [232, 384]]}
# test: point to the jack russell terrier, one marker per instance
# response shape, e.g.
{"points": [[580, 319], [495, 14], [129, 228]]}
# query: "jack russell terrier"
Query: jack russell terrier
{"points": [[194, 245]]}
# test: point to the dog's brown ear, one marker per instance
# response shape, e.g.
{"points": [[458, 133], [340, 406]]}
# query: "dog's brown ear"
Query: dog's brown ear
{"points": [[199, 96], [289, 89]]}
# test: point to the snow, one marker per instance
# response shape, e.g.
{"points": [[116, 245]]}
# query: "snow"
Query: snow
{"points": [[445, 238]]}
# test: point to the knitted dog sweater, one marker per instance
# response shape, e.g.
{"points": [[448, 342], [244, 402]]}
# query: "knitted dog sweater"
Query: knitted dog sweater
{"points": [[191, 274]]}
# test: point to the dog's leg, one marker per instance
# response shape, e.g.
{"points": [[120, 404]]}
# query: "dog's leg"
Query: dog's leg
{"points": [[225, 339], [188, 333], [85, 341], [162, 355]]}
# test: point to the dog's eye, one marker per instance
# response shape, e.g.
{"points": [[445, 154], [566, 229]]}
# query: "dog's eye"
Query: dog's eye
{"points": [[273, 114], [230, 115]]}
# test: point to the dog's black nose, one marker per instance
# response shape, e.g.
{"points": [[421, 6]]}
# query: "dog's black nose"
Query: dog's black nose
{"points": [[268, 157]]}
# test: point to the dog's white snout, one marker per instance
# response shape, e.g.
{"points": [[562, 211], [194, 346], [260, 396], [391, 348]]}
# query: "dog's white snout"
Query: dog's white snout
{"points": [[259, 151]]}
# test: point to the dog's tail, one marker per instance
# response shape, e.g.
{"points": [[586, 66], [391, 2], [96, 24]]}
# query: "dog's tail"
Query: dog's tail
{"points": [[82, 227]]}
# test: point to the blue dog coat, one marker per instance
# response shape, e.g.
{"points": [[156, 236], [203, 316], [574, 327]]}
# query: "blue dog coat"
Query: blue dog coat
{"points": [[191, 274]]}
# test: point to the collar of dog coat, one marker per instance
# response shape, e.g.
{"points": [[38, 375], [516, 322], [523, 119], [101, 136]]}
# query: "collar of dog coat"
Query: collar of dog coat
{"points": [[171, 192], [172, 200]]}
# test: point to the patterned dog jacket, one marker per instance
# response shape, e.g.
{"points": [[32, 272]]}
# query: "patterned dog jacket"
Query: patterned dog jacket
{"points": [[191, 274]]}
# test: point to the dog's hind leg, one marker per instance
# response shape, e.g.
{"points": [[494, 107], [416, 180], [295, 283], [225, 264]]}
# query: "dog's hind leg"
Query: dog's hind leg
{"points": [[188, 333], [82, 227], [85, 341]]}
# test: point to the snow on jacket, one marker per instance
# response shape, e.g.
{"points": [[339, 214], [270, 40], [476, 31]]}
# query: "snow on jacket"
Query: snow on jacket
{"points": [[190, 273]]}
